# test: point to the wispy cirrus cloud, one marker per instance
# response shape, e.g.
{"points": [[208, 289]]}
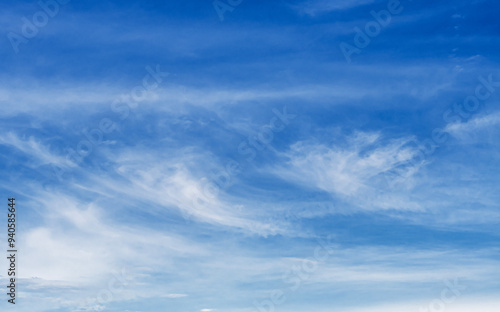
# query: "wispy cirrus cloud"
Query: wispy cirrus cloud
{"points": [[146, 198], [317, 7], [353, 169], [35, 149], [478, 129]]}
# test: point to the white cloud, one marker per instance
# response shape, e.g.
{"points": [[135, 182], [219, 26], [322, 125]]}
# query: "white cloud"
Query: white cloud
{"points": [[78, 234], [461, 304], [354, 171], [35, 149], [477, 129], [174, 296], [177, 181], [318, 7]]}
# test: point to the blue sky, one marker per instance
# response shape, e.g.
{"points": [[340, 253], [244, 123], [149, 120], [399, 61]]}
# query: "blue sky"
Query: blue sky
{"points": [[232, 156]]}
